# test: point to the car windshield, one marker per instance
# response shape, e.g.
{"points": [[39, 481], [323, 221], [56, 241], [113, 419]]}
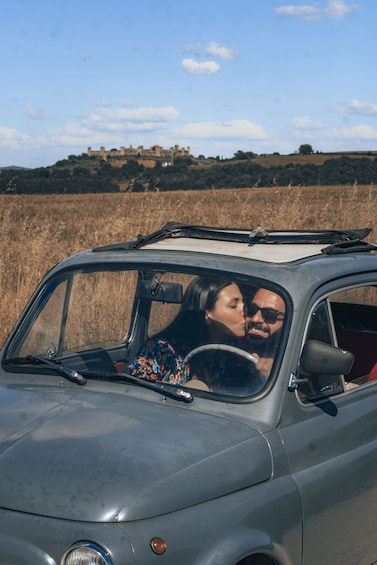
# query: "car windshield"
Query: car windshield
{"points": [[211, 333]]}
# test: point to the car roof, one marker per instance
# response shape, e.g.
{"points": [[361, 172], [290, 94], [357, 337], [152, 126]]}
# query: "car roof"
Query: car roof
{"points": [[272, 254], [284, 246]]}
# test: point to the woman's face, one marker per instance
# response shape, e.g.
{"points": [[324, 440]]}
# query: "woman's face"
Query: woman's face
{"points": [[227, 317]]}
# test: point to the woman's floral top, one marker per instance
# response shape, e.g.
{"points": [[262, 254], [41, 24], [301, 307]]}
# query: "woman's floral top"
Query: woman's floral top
{"points": [[161, 360]]}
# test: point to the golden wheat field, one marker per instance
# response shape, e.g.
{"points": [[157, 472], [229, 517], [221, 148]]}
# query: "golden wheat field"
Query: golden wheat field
{"points": [[38, 231]]}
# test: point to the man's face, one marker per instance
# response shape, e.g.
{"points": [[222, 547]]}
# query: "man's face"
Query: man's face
{"points": [[266, 314]]}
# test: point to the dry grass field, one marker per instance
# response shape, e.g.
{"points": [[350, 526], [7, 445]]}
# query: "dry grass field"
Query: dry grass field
{"points": [[38, 231]]}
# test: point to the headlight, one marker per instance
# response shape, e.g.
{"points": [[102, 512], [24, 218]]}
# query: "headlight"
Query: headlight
{"points": [[85, 553]]}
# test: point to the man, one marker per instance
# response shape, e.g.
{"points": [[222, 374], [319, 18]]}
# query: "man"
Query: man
{"points": [[264, 321]]}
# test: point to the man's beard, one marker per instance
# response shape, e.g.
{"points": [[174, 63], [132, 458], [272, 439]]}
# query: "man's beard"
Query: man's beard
{"points": [[259, 327]]}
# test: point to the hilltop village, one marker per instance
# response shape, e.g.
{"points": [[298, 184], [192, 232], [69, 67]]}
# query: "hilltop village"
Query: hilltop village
{"points": [[139, 153]]}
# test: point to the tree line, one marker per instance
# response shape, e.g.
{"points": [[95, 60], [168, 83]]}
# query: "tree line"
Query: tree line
{"points": [[83, 175]]}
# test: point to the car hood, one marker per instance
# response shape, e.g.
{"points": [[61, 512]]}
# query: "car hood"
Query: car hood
{"points": [[100, 457]]}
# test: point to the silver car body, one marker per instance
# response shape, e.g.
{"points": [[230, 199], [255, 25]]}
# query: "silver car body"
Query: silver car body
{"points": [[274, 478]]}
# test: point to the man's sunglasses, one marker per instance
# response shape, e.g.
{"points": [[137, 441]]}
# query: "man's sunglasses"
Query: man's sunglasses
{"points": [[269, 315]]}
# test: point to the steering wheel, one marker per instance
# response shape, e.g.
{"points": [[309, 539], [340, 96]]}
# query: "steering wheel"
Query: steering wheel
{"points": [[195, 383], [219, 347]]}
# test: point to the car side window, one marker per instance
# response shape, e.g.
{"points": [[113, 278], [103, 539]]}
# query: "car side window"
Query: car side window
{"points": [[355, 320], [321, 324], [321, 329], [348, 320]]}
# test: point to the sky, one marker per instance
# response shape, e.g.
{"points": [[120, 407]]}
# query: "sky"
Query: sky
{"points": [[214, 76]]}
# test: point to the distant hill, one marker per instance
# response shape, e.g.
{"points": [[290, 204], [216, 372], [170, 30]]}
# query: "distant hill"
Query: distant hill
{"points": [[275, 160], [14, 168], [88, 174]]}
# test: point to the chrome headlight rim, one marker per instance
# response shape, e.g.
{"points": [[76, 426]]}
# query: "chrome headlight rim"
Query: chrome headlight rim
{"points": [[90, 548]]}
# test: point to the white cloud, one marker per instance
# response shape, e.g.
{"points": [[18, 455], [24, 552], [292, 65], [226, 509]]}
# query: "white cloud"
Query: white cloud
{"points": [[305, 123], [107, 126], [147, 126], [358, 107], [360, 132], [305, 12], [8, 133], [76, 130], [11, 138], [215, 50], [76, 135], [335, 9], [193, 67], [117, 119], [227, 130]]}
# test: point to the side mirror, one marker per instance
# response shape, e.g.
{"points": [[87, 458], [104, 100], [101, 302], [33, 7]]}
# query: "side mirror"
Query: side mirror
{"points": [[321, 371], [320, 358]]}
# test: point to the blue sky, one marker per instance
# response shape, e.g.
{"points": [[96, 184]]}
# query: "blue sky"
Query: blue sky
{"points": [[218, 77]]}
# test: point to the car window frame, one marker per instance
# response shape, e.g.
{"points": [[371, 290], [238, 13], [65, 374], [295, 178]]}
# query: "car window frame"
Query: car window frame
{"points": [[322, 294]]}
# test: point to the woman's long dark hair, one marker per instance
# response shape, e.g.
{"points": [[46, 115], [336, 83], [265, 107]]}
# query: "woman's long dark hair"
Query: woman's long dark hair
{"points": [[189, 325]]}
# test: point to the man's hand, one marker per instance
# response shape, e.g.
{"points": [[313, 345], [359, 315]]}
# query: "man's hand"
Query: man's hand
{"points": [[264, 365]]}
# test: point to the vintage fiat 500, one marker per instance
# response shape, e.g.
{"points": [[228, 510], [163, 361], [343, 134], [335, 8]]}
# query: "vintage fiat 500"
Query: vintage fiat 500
{"points": [[139, 427]]}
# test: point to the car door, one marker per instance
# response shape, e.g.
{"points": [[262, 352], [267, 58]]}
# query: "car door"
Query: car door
{"points": [[331, 442]]}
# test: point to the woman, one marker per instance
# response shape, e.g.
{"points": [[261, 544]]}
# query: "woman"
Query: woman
{"points": [[212, 311]]}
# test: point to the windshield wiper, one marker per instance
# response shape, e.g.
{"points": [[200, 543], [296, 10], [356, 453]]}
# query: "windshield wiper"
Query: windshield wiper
{"points": [[66, 372], [162, 388], [82, 378]]}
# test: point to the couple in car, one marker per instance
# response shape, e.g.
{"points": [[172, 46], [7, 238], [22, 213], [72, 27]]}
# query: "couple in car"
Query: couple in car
{"points": [[217, 312]]}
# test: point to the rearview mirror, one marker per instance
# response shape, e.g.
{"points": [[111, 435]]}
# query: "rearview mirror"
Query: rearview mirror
{"points": [[157, 291]]}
